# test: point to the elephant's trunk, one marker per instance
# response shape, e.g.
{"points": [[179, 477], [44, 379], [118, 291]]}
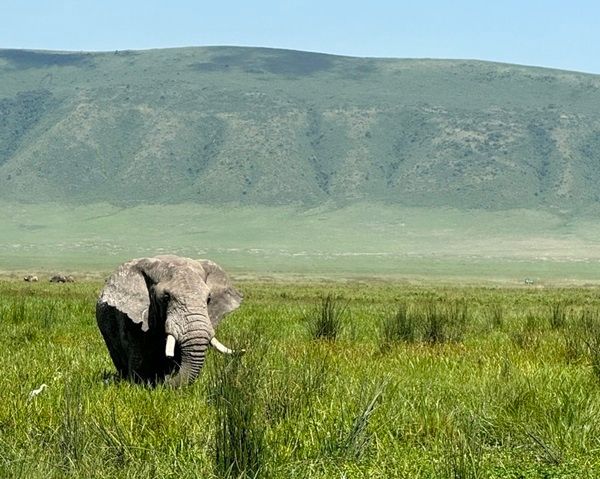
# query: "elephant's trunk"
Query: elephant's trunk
{"points": [[193, 343]]}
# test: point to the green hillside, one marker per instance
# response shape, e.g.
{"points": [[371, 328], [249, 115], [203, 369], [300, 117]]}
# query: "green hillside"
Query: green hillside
{"points": [[273, 128]]}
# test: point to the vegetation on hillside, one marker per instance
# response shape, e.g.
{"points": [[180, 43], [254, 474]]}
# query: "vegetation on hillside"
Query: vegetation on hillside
{"points": [[274, 127]]}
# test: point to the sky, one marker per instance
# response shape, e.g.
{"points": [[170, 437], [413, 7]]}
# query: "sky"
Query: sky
{"points": [[557, 34]]}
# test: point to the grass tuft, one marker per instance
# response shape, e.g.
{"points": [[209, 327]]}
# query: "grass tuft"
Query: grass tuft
{"points": [[294, 386], [358, 439], [72, 431], [527, 336], [326, 321], [397, 327], [558, 315], [496, 315], [444, 322], [590, 320], [462, 457], [239, 433]]}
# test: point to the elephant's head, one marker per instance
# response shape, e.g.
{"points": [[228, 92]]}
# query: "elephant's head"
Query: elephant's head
{"points": [[177, 302]]}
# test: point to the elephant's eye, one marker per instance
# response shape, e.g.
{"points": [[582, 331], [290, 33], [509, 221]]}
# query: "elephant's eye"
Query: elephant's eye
{"points": [[208, 300]]}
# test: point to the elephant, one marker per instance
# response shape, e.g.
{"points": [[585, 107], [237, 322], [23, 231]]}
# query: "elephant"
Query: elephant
{"points": [[61, 278], [158, 316]]}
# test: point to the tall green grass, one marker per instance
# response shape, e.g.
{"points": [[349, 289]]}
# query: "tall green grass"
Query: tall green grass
{"points": [[558, 314], [326, 320], [460, 395], [239, 432], [398, 326], [429, 321]]}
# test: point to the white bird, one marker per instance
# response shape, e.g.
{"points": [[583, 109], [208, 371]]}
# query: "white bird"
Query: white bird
{"points": [[37, 391]]}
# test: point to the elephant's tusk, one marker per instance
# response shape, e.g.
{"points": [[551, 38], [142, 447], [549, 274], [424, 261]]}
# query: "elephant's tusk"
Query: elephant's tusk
{"points": [[170, 349], [215, 343]]}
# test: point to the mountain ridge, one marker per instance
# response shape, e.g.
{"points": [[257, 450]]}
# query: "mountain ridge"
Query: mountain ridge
{"points": [[241, 125]]}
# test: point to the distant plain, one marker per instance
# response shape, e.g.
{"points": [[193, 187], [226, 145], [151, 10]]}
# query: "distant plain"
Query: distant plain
{"points": [[359, 240]]}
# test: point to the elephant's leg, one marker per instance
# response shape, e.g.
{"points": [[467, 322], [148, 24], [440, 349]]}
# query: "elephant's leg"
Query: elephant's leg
{"points": [[111, 323], [146, 356], [137, 355]]}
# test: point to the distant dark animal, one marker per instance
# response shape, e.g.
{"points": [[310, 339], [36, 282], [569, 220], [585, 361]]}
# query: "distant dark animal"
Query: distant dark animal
{"points": [[61, 278], [158, 316], [30, 278]]}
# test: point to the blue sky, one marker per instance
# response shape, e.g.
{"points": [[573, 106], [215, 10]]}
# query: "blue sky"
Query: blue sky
{"points": [[559, 34]]}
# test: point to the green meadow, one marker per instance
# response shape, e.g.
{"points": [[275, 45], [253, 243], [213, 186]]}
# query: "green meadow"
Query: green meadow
{"points": [[356, 379], [358, 240]]}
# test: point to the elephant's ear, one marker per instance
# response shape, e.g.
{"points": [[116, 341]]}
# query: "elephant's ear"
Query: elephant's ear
{"points": [[223, 297], [127, 290]]}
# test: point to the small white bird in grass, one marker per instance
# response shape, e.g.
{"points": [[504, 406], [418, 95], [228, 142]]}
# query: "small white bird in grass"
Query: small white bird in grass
{"points": [[37, 391]]}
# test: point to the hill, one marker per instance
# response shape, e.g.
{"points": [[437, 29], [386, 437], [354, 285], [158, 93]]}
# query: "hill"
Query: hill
{"points": [[225, 125]]}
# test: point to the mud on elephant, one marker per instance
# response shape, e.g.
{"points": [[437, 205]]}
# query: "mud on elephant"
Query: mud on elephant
{"points": [[158, 316]]}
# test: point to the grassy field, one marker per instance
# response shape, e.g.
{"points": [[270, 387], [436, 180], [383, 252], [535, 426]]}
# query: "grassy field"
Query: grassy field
{"points": [[378, 379], [360, 240]]}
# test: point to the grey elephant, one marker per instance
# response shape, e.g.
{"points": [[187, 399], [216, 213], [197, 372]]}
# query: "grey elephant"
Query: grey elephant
{"points": [[61, 278], [158, 316]]}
